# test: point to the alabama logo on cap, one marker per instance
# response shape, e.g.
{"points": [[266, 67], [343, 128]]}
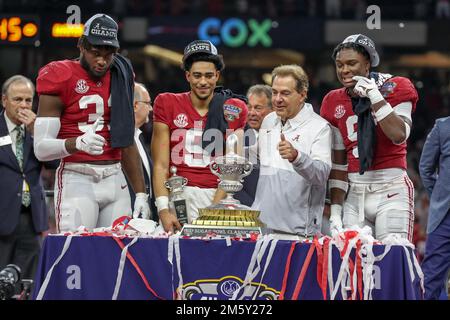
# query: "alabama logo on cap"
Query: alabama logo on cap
{"points": [[181, 120], [81, 86]]}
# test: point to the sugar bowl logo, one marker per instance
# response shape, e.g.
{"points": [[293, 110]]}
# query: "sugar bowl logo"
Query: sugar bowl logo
{"points": [[231, 112], [387, 88], [224, 288]]}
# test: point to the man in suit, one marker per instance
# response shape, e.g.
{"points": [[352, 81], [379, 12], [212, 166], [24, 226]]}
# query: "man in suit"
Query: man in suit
{"points": [[435, 173], [142, 107], [23, 212], [259, 105]]}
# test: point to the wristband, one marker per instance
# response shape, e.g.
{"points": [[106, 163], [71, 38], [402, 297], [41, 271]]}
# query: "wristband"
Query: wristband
{"points": [[383, 112], [340, 167], [338, 184], [162, 203]]}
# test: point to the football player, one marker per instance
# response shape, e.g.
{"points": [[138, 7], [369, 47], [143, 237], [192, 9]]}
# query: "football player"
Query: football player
{"points": [[371, 116], [85, 117], [179, 128]]}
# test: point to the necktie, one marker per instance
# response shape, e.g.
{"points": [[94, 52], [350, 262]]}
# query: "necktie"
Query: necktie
{"points": [[26, 199]]}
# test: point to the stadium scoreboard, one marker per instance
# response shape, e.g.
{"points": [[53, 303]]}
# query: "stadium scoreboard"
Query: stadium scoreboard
{"points": [[19, 29]]}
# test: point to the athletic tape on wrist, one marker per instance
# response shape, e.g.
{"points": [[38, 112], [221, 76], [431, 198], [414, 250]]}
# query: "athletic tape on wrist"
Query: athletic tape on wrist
{"points": [[338, 184], [383, 112], [340, 167], [162, 203]]}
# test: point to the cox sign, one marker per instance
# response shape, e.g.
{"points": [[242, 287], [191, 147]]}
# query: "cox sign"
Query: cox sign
{"points": [[235, 32]]}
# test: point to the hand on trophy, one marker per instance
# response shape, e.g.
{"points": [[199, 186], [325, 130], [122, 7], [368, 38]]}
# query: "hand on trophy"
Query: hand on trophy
{"points": [[286, 150], [169, 221]]}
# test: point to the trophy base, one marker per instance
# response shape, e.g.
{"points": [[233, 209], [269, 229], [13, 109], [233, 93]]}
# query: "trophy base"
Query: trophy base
{"points": [[194, 230], [236, 216], [231, 221]]}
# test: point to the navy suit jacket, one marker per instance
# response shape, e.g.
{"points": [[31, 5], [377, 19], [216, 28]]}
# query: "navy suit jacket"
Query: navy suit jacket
{"points": [[11, 184], [247, 195], [151, 199], [435, 171]]}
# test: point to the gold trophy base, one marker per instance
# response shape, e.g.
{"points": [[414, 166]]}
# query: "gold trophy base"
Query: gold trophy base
{"points": [[224, 222]]}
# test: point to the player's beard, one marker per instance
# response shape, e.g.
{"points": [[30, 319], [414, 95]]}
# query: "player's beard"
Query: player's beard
{"points": [[91, 72], [203, 96]]}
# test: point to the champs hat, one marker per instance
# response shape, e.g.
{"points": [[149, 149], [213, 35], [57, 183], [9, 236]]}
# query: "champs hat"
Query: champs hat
{"points": [[367, 44], [101, 30], [199, 46]]}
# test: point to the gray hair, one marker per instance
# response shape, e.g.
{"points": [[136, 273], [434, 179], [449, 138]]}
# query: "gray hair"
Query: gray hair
{"points": [[296, 72], [260, 89], [137, 93], [16, 78]]}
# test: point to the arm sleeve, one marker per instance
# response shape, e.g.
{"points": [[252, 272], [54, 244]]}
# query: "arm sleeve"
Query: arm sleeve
{"points": [[337, 141], [46, 146], [316, 167]]}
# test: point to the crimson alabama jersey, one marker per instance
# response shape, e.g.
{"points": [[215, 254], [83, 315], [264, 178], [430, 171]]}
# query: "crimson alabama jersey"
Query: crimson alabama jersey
{"points": [[84, 101], [337, 110], [186, 128]]}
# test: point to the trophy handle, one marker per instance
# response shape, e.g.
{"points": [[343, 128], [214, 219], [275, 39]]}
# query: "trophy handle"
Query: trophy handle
{"points": [[185, 181], [166, 184], [248, 167], [214, 167]]}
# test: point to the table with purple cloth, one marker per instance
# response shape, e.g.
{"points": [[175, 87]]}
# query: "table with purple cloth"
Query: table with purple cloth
{"points": [[105, 268]]}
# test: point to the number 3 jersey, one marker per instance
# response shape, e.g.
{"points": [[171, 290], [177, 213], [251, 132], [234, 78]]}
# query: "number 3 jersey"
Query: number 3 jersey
{"points": [[186, 129], [337, 110], [84, 101]]}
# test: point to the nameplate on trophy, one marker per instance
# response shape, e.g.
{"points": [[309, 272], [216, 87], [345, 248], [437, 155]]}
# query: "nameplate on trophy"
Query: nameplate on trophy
{"points": [[181, 210], [177, 202], [196, 230]]}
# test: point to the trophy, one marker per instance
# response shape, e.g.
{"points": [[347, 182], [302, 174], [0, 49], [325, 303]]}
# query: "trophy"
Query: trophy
{"points": [[229, 217], [177, 204]]}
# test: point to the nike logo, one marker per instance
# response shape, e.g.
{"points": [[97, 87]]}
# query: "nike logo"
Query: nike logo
{"points": [[123, 187], [391, 195]]}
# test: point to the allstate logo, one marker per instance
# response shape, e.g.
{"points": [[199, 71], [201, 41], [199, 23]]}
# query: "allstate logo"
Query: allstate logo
{"points": [[228, 287]]}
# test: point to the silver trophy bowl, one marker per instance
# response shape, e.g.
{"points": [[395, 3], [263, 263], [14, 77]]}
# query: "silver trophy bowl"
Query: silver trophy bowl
{"points": [[175, 183], [231, 169]]}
